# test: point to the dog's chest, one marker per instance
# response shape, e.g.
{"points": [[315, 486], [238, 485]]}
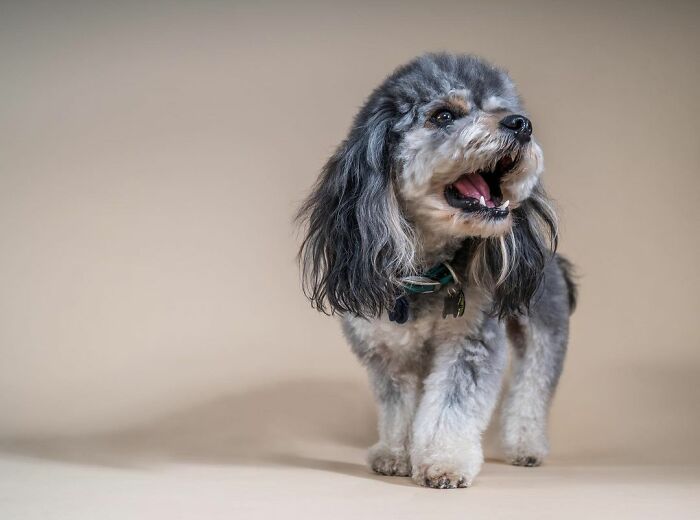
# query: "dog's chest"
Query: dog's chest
{"points": [[425, 328]]}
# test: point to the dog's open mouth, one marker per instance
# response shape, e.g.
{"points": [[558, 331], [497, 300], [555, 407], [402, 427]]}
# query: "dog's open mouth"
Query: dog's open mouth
{"points": [[481, 190]]}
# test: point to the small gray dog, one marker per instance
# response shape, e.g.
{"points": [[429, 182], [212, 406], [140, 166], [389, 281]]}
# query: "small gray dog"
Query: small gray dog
{"points": [[429, 232]]}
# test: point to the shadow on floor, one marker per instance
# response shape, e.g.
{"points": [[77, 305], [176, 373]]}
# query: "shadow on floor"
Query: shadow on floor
{"points": [[269, 425]]}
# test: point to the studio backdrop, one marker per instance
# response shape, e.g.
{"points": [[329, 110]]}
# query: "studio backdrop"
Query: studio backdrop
{"points": [[153, 158]]}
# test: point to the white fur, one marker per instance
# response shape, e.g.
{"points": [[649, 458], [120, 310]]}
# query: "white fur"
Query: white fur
{"points": [[495, 104]]}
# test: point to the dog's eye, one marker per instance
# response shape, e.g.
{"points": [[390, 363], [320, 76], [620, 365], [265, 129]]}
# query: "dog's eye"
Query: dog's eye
{"points": [[443, 118]]}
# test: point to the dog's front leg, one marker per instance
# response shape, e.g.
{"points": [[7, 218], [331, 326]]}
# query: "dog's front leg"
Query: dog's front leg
{"points": [[396, 396], [459, 396]]}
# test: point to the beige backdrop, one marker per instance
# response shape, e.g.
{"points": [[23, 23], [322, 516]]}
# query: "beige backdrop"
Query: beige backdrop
{"points": [[152, 158]]}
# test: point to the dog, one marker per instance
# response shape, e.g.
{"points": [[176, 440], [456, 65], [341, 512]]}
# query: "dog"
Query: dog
{"points": [[429, 233]]}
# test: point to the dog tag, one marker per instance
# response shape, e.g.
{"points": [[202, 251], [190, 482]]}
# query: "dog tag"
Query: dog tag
{"points": [[453, 304], [399, 313]]}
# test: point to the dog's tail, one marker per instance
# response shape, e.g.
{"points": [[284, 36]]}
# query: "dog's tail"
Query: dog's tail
{"points": [[569, 273]]}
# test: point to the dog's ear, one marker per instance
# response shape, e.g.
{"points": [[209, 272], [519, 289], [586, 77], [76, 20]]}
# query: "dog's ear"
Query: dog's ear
{"points": [[357, 243], [517, 262]]}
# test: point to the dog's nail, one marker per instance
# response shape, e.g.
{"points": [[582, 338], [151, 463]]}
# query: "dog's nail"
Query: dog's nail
{"points": [[482, 201], [504, 205]]}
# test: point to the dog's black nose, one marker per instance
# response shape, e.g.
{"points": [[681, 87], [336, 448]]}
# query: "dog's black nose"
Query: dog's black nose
{"points": [[519, 125]]}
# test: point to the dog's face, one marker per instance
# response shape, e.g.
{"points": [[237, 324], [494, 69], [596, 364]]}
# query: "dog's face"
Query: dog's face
{"points": [[466, 156], [441, 154]]}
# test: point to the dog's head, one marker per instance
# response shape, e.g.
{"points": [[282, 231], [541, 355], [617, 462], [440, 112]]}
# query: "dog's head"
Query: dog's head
{"points": [[441, 153]]}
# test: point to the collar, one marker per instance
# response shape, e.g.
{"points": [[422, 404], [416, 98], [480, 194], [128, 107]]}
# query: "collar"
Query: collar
{"points": [[433, 280]]}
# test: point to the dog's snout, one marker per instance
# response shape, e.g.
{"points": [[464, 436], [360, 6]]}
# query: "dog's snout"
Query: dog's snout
{"points": [[519, 125]]}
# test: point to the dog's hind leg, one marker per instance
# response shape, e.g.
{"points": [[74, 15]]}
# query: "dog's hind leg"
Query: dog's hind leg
{"points": [[539, 346]]}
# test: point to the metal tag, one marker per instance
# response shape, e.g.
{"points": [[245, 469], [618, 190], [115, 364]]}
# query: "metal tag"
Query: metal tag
{"points": [[453, 304]]}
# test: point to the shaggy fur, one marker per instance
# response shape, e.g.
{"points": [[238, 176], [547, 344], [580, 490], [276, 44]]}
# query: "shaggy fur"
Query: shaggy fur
{"points": [[408, 190]]}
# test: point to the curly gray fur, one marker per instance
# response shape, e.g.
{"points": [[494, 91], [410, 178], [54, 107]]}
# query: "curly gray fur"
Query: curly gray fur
{"points": [[380, 211]]}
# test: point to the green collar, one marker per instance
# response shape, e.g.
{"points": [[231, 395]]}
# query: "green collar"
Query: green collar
{"points": [[432, 281]]}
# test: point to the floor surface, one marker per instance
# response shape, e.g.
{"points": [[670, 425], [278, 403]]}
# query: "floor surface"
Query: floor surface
{"points": [[330, 483]]}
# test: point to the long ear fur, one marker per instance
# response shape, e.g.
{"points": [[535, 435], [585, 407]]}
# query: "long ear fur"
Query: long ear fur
{"points": [[513, 266], [357, 243]]}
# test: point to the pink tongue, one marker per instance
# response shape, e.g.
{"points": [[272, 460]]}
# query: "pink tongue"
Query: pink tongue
{"points": [[474, 186]]}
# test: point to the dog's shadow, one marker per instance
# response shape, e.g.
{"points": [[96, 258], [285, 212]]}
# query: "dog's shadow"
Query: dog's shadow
{"points": [[273, 425]]}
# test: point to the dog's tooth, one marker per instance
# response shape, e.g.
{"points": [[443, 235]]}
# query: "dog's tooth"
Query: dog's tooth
{"points": [[504, 205], [482, 201]]}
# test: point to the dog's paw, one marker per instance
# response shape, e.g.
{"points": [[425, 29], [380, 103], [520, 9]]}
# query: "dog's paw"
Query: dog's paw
{"points": [[447, 465], [441, 476], [525, 446], [528, 461], [385, 461], [528, 452]]}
